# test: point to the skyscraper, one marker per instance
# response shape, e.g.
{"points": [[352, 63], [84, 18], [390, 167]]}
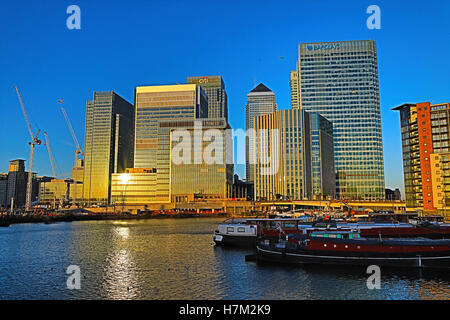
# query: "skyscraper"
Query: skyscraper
{"points": [[293, 84], [426, 155], [214, 87], [321, 153], [339, 80], [157, 103], [260, 101], [108, 144], [210, 178], [294, 153], [149, 180]]}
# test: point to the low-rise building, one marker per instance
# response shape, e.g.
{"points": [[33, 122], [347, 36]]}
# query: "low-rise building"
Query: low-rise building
{"points": [[17, 184], [55, 192]]}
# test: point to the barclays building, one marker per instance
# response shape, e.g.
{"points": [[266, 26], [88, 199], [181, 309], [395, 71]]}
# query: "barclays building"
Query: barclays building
{"points": [[339, 80]]}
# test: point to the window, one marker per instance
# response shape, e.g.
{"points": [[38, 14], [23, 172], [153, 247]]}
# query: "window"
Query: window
{"points": [[230, 229], [241, 229]]}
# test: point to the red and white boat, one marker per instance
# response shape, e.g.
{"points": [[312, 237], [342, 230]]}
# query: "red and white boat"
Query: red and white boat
{"points": [[348, 247]]}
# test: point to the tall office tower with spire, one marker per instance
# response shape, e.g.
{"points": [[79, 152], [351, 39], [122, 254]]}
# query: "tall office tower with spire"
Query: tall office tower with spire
{"points": [[108, 144], [260, 101], [339, 80], [214, 88]]}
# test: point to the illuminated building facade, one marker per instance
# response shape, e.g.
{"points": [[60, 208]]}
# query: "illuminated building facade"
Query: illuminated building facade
{"points": [[299, 150], [187, 180], [426, 155], [206, 169], [108, 144], [135, 186], [149, 180], [76, 188], [158, 103], [214, 88], [54, 192], [339, 80]]}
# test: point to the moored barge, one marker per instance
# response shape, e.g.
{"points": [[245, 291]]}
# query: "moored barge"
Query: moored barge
{"points": [[349, 248], [245, 232]]}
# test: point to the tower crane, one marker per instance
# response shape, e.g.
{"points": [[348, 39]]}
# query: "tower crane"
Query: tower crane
{"points": [[50, 153], [74, 137], [34, 141], [52, 162], [77, 151]]}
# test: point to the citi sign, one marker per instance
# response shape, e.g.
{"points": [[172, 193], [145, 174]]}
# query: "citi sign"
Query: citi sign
{"points": [[328, 46]]}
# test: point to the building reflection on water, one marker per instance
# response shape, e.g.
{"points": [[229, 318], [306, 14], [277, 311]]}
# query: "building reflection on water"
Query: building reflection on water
{"points": [[176, 259]]}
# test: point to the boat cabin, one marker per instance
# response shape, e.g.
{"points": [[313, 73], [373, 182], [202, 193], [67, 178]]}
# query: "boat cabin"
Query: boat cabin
{"points": [[385, 217], [238, 227], [335, 235]]}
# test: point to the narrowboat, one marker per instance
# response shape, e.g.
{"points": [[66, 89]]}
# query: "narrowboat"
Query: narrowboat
{"points": [[349, 248]]}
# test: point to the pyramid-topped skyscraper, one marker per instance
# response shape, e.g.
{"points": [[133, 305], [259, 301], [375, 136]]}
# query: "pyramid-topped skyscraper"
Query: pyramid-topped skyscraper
{"points": [[260, 101]]}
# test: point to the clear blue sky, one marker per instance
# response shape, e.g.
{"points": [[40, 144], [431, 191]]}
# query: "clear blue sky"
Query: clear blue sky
{"points": [[123, 44]]}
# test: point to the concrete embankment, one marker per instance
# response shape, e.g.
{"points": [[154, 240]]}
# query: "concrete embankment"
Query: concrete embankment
{"points": [[14, 219]]}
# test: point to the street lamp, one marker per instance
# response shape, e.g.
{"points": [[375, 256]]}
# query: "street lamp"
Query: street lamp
{"points": [[124, 177]]}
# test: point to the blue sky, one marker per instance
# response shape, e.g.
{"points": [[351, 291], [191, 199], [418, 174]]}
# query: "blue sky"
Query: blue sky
{"points": [[123, 44]]}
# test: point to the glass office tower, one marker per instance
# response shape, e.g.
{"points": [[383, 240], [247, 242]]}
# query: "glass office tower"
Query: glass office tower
{"points": [[157, 103], [260, 101], [214, 87], [339, 80], [300, 147], [149, 180], [108, 144], [210, 178], [323, 179]]}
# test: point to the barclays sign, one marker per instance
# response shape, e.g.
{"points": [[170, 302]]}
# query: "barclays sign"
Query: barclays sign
{"points": [[329, 46]]}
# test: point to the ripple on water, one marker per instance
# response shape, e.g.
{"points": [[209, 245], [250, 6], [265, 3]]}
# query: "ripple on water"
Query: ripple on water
{"points": [[176, 259]]}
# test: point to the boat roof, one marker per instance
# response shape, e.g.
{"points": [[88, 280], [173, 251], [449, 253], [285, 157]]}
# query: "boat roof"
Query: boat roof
{"points": [[341, 231], [277, 219], [235, 221]]}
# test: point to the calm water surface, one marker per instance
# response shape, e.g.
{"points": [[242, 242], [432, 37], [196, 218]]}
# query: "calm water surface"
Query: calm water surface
{"points": [[176, 259]]}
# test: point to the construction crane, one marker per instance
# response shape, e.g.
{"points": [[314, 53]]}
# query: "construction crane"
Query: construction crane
{"points": [[50, 153], [52, 162], [77, 151], [34, 141], [75, 140]]}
